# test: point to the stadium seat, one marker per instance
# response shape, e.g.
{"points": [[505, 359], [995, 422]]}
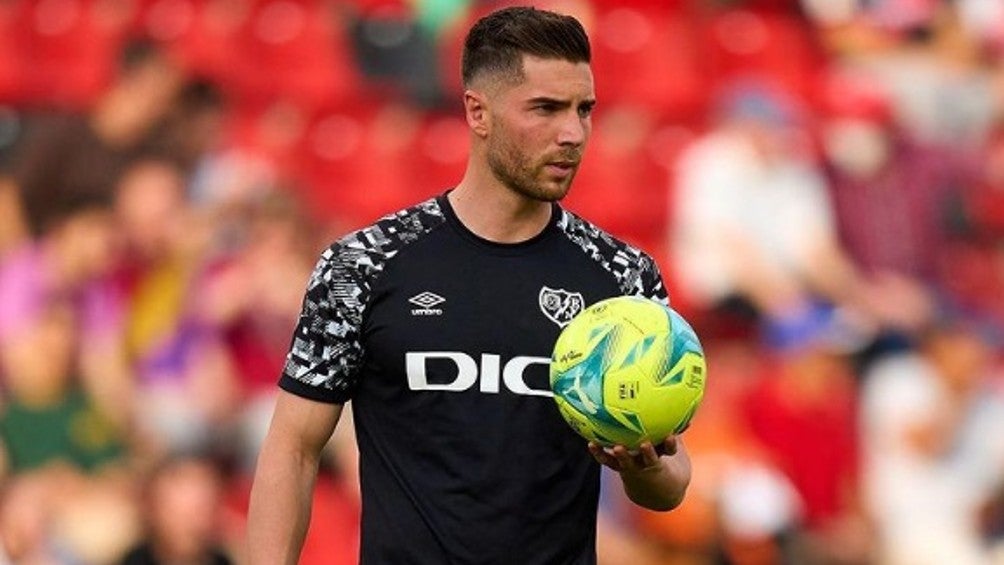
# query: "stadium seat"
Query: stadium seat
{"points": [[742, 44], [10, 56], [647, 53], [200, 34], [169, 20], [275, 129], [442, 151], [70, 47], [331, 156], [360, 162], [371, 7], [296, 50], [621, 186]]}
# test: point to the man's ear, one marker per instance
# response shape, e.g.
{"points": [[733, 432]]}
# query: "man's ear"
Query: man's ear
{"points": [[476, 111]]}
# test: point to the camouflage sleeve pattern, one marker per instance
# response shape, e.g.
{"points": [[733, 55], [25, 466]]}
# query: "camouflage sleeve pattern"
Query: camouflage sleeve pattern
{"points": [[326, 354], [635, 271]]}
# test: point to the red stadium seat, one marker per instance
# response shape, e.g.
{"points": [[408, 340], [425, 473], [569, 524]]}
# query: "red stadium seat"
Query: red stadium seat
{"points": [[69, 47], [279, 130], [201, 34], [294, 49], [442, 151], [331, 158], [648, 54], [361, 162], [621, 186], [372, 7], [675, 5], [169, 20], [742, 44], [10, 56]]}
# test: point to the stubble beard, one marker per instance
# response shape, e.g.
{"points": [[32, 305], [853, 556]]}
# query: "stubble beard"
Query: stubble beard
{"points": [[515, 170]]}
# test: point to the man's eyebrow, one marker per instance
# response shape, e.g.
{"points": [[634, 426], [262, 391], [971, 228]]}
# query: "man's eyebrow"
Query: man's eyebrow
{"points": [[559, 101], [548, 100]]}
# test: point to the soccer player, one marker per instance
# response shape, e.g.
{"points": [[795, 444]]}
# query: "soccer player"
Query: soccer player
{"points": [[437, 323]]}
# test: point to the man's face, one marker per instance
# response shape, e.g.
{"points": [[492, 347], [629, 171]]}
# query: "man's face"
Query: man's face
{"points": [[539, 127]]}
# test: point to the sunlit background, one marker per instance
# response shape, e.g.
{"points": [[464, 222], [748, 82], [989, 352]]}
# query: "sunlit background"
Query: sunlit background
{"points": [[821, 182]]}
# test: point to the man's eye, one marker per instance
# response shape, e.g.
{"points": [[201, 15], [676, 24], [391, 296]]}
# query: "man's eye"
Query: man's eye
{"points": [[585, 111]]}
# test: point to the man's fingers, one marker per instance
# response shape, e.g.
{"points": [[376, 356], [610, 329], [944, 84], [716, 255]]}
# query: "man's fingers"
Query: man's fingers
{"points": [[647, 455], [669, 445], [602, 456], [619, 458]]}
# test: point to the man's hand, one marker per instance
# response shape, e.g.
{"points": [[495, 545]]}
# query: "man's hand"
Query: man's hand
{"points": [[655, 477], [622, 460]]}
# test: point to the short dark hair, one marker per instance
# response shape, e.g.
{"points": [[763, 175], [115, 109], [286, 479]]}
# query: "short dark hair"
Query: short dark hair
{"points": [[497, 42]]}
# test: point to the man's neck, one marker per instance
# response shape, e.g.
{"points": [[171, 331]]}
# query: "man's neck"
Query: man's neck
{"points": [[496, 213]]}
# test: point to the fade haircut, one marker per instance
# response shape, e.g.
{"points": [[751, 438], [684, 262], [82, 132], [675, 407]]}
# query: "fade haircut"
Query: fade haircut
{"points": [[496, 43]]}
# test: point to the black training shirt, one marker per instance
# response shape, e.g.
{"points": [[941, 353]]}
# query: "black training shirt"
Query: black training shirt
{"points": [[442, 340]]}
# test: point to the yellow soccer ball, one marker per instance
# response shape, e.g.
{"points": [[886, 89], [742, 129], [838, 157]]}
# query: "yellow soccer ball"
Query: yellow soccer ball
{"points": [[628, 370]]}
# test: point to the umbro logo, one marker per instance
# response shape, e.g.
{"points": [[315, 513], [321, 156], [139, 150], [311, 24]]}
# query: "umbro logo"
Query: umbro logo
{"points": [[427, 302]]}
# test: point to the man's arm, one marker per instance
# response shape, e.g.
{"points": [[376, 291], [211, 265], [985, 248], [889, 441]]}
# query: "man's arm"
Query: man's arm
{"points": [[651, 480], [284, 479]]}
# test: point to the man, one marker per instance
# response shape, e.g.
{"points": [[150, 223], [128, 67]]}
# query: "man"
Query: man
{"points": [[438, 322]]}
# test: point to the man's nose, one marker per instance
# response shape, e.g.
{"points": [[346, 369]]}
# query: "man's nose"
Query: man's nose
{"points": [[574, 130]]}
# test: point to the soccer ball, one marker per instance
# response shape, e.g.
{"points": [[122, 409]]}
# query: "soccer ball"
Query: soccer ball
{"points": [[627, 370]]}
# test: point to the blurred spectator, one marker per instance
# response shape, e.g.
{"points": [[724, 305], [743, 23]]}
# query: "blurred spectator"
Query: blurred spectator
{"points": [[66, 158], [972, 265], [63, 419], [934, 72], [46, 417], [931, 428], [25, 523], [891, 195], [95, 518], [803, 408], [183, 376], [251, 295], [753, 230], [251, 299], [70, 264], [182, 506], [192, 127], [67, 263], [740, 509], [58, 516], [984, 21]]}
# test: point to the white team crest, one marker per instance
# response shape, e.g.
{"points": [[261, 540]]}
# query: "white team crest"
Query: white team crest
{"points": [[560, 306]]}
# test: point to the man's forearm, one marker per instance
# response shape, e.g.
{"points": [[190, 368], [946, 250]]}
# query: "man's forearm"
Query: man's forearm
{"points": [[279, 512]]}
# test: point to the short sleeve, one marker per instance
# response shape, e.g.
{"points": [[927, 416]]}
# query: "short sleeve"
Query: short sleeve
{"points": [[325, 354], [650, 283]]}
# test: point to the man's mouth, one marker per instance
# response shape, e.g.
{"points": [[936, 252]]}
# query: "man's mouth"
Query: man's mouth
{"points": [[561, 168]]}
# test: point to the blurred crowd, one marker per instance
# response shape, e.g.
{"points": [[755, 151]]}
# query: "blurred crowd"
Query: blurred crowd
{"points": [[821, 181]]}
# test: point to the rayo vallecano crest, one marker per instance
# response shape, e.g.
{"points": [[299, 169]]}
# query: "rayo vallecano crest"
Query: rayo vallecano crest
{"points": [[560, 306]]}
